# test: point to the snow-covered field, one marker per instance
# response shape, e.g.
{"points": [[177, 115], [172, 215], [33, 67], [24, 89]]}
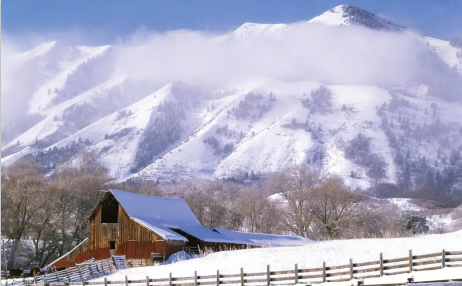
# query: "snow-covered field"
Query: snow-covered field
{"points": [[311, 256]]}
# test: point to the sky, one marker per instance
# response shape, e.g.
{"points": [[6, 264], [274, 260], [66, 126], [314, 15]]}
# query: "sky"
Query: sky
{"points": [[106, 21]]}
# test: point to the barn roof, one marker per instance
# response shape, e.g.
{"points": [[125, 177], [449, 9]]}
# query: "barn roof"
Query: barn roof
{"points": [[163, 214], [262, 239]]}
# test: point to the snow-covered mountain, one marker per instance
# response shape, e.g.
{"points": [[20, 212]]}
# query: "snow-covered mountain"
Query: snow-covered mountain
{"points": [[78, 100]]}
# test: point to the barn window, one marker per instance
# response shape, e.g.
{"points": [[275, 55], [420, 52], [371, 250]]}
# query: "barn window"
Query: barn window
{"points": [[112, 244], [110, 212]]}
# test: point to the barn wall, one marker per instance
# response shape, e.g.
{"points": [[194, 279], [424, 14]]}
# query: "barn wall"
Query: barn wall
{"points": [[137, 242]]}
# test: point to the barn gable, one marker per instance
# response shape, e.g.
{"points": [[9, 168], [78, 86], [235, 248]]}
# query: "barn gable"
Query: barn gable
{"points": [[146, 229]]}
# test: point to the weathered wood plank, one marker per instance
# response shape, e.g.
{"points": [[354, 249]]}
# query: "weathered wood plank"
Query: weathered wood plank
{"points": [[453, 252], [366, 270], [426, 255], [338, 273], [428, 268], [428, 262], [361, 264], [338, 267], [395, 260], [397, 266]]}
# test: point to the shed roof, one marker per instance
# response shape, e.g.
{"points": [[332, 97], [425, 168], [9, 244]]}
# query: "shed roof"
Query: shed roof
{"points": [[263, 239], [161, 214]]}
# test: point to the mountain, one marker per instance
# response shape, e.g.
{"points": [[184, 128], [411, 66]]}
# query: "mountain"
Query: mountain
{"points": [[367, 133], [351, 15]]}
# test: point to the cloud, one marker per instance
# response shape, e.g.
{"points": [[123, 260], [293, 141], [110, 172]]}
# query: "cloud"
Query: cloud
{"points": [[303, 51], [298, 52]]}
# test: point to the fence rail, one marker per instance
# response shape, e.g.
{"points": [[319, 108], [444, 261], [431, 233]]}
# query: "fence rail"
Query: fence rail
{"points": [[336, 273], [81, 272]]}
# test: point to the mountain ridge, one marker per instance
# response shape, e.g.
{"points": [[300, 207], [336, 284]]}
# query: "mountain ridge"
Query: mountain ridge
{"points": [[179, 131]]}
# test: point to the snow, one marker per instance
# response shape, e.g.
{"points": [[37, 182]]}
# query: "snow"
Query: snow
{"points": [[162, 214], [262, 239], [250, 31], [446, 52], [404, 204], [8, 160], [333, 17], [311, 256], [179, 256], [41, 99], [49, 125], [267, 144], [36, 52], [121, 151]]}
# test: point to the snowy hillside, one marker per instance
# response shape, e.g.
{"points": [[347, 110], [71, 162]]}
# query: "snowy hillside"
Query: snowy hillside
{"points": [[169, 130], [448, 53], [332, 252]]}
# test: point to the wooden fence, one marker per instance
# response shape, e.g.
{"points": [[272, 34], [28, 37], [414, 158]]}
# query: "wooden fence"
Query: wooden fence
{"points": [[324, 273], [82, 272]]}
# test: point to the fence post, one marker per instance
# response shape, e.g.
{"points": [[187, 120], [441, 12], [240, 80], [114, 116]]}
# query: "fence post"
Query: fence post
{"points": [[110, 265], [170, 283], [25, 282], [126, 280], [105, 281], [381, 264], [195, 278], [351, 268], [324, 271], [64, 282], [242, 276], [443, 262], [218, 277], [67, 274], [410, 260], [296, 273], [147, 281], [80, 272], [268, 275]]}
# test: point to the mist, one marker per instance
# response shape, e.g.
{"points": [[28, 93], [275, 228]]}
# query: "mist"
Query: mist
{"points": [[301, 51], [297, 52]]}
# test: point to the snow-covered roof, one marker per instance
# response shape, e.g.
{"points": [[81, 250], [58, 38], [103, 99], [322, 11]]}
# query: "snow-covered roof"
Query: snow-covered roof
{"points": [[262, 239], [161, 215]]}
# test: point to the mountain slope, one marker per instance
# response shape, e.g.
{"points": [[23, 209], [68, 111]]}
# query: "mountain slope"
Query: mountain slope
{"points": [[78, 100]]}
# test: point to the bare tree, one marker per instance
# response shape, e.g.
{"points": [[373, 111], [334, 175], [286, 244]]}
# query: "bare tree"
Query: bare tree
{"points": [[295, 186], [23, 200], [254, 204], [335, 207]]}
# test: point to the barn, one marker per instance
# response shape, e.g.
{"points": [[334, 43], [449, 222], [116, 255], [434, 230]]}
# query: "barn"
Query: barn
{"points": [[146, 229]]}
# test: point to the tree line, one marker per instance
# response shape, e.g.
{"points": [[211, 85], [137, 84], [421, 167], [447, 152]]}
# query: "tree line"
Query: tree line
{"points": [[44, 217]]}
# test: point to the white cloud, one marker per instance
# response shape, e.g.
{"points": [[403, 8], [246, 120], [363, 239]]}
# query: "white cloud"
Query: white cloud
{"points": [[353, 55]]}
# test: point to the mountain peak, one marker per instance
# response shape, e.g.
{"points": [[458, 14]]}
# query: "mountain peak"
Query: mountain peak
{"points": [[352, 15], [252, 30]]}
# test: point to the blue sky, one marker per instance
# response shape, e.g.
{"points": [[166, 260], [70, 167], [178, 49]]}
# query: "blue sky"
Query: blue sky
{"points": [[103, 21]]}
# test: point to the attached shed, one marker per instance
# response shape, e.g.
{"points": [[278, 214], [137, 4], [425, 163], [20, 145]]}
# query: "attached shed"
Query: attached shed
{"points": [[263, 239], [146, 229]]}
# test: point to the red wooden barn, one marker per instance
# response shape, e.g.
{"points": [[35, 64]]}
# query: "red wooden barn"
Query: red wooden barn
{"points": [[146, 229]]}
